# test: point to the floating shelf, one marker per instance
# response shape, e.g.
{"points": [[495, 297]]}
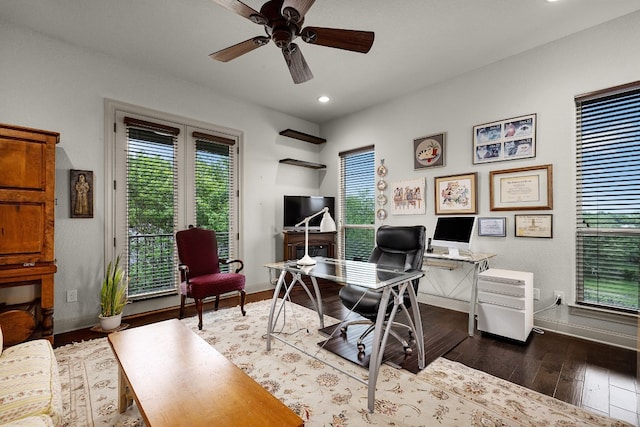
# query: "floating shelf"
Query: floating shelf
{"points": [[302, 163], [303, 136]]}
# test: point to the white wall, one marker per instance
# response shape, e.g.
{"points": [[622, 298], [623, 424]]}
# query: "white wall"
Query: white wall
{"points": [[51, 85], [542, 81], [47, 84]]}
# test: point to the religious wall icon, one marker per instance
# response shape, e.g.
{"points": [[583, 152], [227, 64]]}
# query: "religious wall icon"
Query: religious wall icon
{"points": [[81, 190]]}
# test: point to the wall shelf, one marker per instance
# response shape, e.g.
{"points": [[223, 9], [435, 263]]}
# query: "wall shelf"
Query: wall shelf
{"points": [[303, 136], [302, 163]]}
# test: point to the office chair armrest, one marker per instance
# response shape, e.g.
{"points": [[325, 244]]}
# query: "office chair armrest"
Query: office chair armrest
{"points": [[230, 261], [184, 272]]}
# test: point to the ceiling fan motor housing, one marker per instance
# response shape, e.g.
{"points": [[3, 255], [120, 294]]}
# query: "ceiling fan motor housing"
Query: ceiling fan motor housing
{"points": [[282, 30]]}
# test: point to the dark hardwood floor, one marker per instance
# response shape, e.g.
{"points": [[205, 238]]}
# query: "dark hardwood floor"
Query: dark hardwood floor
{"points": [[595, 376]]}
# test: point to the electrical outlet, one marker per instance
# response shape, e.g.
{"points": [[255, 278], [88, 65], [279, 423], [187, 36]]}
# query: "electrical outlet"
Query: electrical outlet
{"points": [[559, 295], [72, 295], [536, 293]]}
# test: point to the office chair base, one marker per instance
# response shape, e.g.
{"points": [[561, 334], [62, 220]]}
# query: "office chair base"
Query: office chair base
{"points": [[406, 345]]}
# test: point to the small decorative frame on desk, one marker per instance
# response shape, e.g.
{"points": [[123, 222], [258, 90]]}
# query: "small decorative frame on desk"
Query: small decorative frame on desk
{"points": [[534, 226], [494, 226]]}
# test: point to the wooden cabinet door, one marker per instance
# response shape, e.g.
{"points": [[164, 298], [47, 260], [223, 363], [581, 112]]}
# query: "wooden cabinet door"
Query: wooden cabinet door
{"points": [[27, 185]]}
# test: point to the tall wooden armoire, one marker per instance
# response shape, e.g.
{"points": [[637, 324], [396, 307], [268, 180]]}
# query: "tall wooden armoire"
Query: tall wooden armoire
{"points": [[27, 199]]}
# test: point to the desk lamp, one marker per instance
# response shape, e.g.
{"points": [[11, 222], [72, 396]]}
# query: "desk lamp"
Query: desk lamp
{"points": [[326, 225]]}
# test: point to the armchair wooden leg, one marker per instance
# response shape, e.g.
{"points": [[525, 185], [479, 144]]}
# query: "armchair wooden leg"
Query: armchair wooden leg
{"points": [[182, 301], [215, 307], [199, 308], [242, 298]]}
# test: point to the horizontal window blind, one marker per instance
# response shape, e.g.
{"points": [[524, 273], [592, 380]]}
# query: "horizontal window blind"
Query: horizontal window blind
{"points": [[357, 203], [215, 192], [608, 199], [151, 207]]}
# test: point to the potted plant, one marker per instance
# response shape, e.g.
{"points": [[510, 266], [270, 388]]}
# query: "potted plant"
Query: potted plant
{"points": [[113, 296]]}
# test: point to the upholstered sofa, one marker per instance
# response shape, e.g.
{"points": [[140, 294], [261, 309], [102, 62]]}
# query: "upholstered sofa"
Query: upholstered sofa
{"points": [[29, 385]]}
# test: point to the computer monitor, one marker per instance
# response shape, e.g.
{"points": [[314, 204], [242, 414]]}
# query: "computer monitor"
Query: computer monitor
{"points": [[454, 233]]}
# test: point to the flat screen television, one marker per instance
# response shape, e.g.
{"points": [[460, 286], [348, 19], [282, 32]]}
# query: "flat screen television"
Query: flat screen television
{"points": [[454, 233], [297, 208]]}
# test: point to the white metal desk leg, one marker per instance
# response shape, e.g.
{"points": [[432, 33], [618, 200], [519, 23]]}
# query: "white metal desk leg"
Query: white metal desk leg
{"points": [[272, 310], [478, 268], [377, 348], [316, 289], [417, 324]]}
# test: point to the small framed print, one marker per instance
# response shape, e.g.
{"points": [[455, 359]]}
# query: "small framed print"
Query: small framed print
{"points": [[81, 183], [456, 194], [408, 197], [508, 139], [534, 226], [495, 227], [428, 151]]}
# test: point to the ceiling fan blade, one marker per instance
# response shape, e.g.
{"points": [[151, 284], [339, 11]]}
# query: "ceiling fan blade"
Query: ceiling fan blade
{"points": [[242, 9], [353, 40], [298, 67], [232, 52], [295, 10]]}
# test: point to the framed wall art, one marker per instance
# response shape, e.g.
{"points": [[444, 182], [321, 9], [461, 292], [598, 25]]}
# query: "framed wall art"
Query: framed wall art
{"points": [[492, 226], [456, 194], [534, 226], [429, 151], [529, 188], [408, 197], [81, 191], [508, 139]]}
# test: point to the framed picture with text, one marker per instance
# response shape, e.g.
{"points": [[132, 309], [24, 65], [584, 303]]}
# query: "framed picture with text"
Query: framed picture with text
{"points": [[534, 226], [492, 226], [508, 139], [528, 188]]}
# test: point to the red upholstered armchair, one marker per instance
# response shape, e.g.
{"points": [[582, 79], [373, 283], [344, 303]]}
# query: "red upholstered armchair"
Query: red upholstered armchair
{"points": [[200, 270]]}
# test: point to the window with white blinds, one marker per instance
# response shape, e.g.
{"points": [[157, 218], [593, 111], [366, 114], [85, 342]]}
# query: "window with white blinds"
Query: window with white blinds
{"points": [[151, 186], [169, 175], [215, 190], [357, 203], [608, 198]]}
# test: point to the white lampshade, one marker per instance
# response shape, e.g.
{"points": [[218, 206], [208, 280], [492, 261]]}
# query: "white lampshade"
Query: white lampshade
{"points": [[327, 223]]}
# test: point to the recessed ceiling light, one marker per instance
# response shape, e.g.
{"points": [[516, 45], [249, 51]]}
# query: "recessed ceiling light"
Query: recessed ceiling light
{"points": [[324, 99]]}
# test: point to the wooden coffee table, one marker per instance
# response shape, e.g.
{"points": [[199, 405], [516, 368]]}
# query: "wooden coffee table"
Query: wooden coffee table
{"points": [[177, 379]]}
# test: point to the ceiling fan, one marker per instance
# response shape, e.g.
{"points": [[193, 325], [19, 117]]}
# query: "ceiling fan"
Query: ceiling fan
{"points": [[282, 21]]}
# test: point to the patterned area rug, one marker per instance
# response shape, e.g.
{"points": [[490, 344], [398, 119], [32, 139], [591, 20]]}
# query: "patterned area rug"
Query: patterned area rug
{"points": [[445, 393]]}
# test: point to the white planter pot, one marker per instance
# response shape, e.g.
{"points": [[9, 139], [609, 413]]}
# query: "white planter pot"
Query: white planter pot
{"points": [[110, 323]]}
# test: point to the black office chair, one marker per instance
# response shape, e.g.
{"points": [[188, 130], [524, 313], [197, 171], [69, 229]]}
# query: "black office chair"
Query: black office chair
{"points": [[396, 247]]}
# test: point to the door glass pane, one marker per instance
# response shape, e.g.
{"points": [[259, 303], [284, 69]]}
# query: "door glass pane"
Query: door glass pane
{"points": [[151, 179], [214, 199]]}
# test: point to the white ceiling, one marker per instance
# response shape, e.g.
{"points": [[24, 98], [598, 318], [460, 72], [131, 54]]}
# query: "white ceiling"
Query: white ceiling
{"points": [[417, 42]]}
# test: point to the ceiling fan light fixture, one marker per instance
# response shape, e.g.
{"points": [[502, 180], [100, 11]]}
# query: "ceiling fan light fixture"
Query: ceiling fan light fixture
{"points": [[258, 19], [309, 36], [291, 14]]}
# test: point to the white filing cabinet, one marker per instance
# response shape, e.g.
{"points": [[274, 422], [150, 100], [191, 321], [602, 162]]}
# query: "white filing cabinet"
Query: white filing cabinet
{"points": [[505, 303]]}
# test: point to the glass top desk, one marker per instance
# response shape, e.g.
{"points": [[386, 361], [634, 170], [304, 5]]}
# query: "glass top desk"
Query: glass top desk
{"points": [[480, 263], [392, 283]]}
